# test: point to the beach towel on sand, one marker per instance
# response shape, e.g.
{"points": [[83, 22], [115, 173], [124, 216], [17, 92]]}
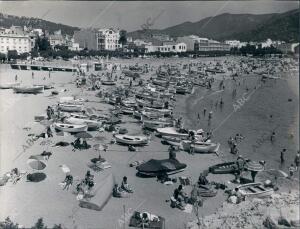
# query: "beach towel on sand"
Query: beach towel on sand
{"points": [[65, 168]]}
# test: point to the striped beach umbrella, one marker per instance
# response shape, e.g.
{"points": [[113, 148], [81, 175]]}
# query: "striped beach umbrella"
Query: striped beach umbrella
{"points": [[254, 166]]}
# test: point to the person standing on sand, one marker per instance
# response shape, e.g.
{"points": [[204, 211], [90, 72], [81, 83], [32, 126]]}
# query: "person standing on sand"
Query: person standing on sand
{"points": [[253, 175], [210, 115], [273, 136], [292, 170], [282, 156], [16, 78], [204, 111], [198, 117], [297, 160]]}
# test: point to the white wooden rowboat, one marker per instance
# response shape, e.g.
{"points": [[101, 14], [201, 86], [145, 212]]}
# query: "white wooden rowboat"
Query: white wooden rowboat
{"points": [[71, 128]]}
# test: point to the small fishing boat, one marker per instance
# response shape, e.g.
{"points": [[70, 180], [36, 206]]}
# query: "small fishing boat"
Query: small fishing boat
{"points": [[131, 140], [71, 128], [46, 86], [172, 131], [224, 168], [70, 107], [200, 147], [127, 110], [255, 190], [173, 141], [108, 82], [153, 125], [9, 85], [92, 124], [29, 89], [206, 191], [156, 167]]}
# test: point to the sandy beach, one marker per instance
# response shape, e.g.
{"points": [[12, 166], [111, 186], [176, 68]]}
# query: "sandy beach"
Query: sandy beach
{"points": [[273, 106]]}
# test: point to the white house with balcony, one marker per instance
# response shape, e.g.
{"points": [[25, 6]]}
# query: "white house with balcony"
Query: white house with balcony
{"points": [[108, 39]]}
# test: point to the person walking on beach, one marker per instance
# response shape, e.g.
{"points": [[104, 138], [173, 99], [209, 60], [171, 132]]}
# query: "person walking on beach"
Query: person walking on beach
{"points": [[282, 156], [198, 117], [273, 136], [32, 75], [68, 181], [210, 115], [297, 160], [16, 78], [204, 111]]}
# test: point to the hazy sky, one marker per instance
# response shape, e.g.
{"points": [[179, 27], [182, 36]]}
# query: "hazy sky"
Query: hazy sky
{"points": [[131, 15]]}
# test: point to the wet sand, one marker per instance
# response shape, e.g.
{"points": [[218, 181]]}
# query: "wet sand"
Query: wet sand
{"points": [[47, 199]]}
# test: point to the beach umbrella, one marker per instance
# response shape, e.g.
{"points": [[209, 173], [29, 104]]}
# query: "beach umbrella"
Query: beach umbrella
{"points": [[254, 166], [36, 164], [168, 165], [83, 135], [36, 177]]}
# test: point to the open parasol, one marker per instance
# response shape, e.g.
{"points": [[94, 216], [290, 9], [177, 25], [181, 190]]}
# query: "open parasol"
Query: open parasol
{"points": [[36, 164], [254, 166], [83, 135]]}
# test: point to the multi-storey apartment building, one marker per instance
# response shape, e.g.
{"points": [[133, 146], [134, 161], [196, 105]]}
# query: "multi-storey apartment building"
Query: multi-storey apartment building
{"points": [[102, 39]]}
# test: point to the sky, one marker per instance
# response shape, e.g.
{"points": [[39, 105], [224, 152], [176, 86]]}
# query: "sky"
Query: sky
{"points": [[133, 15]]}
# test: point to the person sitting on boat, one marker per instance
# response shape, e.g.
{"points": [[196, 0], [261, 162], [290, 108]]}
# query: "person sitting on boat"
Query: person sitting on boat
{"points": [[202, 180], [125, 186]]}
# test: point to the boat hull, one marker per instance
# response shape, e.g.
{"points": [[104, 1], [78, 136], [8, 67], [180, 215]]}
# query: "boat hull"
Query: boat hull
{"points": [[131, 140], [70, 128], [255, 190], [29, 90]]}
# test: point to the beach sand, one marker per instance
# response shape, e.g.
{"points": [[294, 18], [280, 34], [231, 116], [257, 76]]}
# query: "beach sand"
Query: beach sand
{"points": [[47, 199]]}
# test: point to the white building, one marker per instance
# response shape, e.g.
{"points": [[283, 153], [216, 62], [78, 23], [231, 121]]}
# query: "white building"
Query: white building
{"points": [[167, 47], [74, 47], [56, 39], [233, 43], [108, 39], [20, 43], [267, 43]]}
